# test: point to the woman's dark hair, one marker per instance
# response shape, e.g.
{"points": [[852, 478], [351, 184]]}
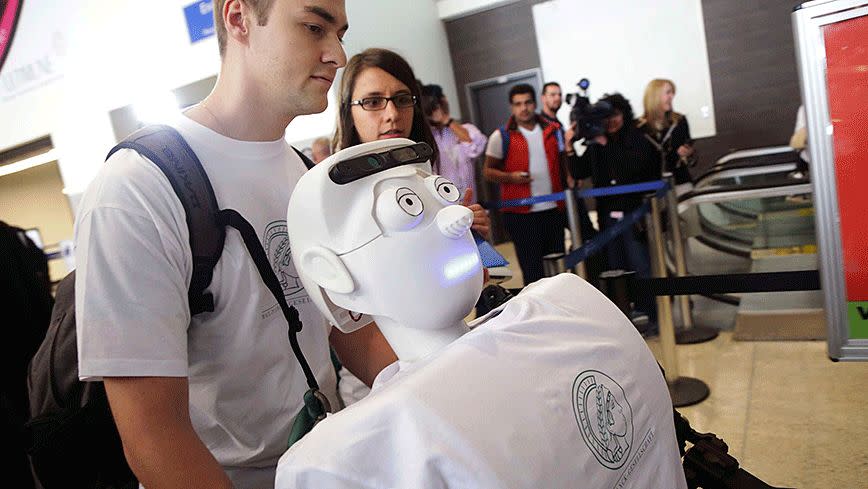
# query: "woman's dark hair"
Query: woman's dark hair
{"points": [[393, 64], [623, 106], [432, 96]]}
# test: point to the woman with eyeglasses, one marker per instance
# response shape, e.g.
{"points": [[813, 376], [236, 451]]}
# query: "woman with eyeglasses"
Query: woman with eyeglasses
{"points": [[380, 99]]}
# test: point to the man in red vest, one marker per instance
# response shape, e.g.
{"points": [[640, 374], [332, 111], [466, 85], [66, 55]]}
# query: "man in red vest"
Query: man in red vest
{"points": [[526, 157]]}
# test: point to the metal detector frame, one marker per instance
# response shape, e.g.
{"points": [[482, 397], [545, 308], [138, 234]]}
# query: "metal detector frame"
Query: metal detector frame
{"points": [[809, 20]]}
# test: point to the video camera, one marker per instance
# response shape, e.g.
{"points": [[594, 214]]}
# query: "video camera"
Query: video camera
{"points": [[590, 118]]}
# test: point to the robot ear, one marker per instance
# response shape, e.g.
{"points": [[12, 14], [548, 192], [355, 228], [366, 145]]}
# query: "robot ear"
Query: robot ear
{"points": [[325, 268]]}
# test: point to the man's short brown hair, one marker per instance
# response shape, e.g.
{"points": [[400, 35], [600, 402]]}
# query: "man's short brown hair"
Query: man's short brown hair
{"points": [[260, 9]]}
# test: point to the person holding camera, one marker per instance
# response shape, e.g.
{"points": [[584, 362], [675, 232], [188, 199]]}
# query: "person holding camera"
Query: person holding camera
{"points": [[619, 154], [525, 156], [459, 143], [668, 131]]}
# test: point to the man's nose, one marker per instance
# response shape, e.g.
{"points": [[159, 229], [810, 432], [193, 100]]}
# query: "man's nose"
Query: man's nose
{"points": [[454, 221], [334, 54]]}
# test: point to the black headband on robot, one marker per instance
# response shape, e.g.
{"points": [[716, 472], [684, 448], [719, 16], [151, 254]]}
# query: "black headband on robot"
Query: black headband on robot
{"points": [[353, 169]]}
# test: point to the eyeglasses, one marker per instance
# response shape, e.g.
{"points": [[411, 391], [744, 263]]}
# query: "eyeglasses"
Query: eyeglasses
{"points": [[401, 101]]}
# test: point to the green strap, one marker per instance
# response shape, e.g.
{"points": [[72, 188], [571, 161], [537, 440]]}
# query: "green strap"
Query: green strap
{"points": [[316, 405]]}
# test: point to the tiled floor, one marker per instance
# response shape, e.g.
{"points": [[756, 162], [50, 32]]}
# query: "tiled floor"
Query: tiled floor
{"points": [[791, 417]]}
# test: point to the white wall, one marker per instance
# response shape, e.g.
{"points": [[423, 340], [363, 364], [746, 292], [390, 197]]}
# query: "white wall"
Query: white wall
{"points": [[119, 52], [114, 54], [621, 45]]}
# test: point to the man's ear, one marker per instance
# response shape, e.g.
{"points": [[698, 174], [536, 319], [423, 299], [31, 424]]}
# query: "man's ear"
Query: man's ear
{"points": [[326, 268], [235, 18]]}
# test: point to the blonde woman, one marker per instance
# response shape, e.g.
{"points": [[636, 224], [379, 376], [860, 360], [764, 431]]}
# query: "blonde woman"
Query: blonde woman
{"points": [[667, 130]]}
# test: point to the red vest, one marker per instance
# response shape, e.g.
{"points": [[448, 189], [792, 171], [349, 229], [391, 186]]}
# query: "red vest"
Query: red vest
{"points": [[517, 158]]}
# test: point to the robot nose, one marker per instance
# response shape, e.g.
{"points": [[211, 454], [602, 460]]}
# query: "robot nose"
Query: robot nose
{"points": [[454, 221]]}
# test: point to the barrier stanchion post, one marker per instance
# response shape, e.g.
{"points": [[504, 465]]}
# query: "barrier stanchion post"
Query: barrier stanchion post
{"points": [[684, 391], [575, 229], [689, 333], [553, 264], [617, 285]]}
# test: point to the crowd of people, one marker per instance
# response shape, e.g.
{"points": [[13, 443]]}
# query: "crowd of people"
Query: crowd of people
{"points": [[532, 154]]}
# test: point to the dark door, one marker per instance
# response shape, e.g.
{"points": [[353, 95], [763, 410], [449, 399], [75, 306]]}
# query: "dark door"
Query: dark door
{"points": [[489, 99]]}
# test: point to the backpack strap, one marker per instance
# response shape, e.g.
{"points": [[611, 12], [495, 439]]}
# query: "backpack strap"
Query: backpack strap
{"points": [[304, 159], [231, 217], [316, 404], [167, 149], [504, 139], [559, 135]]}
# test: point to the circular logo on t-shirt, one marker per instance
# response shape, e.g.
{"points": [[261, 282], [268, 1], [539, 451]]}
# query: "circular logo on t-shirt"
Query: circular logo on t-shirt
{"points": [[276, 241], [604, 416]]}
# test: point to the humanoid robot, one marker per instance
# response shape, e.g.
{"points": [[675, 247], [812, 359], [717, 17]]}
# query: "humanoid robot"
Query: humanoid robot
{"points": [[554, 388]]}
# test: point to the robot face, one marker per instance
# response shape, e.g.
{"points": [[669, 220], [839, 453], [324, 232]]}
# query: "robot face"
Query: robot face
{"points": [[395, 242], [424, 270]]}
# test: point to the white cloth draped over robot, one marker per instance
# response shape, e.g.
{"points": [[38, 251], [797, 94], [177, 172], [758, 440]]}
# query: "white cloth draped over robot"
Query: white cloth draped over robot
{"points": [[553, 389]]}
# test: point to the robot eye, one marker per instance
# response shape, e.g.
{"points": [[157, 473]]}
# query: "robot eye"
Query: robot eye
{"points": [[409, 201], [399, 209], [445, 190]]}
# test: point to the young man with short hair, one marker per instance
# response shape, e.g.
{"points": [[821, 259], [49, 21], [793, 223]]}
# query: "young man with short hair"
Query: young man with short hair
{"points": [[208, 401], [526, 156], [552, 100]]}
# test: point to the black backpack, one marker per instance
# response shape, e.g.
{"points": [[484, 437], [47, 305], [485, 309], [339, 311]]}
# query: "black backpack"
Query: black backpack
{"points": [[27, 302], [71, 437]]}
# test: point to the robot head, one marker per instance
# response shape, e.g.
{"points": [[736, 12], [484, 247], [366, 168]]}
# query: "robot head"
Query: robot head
{"points": [[373, 231]]}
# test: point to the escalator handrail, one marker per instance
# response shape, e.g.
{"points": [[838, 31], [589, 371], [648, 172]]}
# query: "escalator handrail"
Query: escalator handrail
{"points": [[761, 160], [724, 248], [685, 197], [753, 152], [744, 170]]}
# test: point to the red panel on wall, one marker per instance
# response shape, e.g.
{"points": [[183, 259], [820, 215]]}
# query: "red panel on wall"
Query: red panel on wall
{"points": [[10, 10], [847, 78]]}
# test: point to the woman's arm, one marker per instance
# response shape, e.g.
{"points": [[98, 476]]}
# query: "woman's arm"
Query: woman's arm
{"points": [[475, 143], [682, 139], [460, 131]]}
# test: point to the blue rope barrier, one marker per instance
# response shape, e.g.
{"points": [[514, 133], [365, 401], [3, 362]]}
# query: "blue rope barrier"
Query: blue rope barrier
{"points": [[526, 201], [632, 188], [624, 189], [603, 238]]}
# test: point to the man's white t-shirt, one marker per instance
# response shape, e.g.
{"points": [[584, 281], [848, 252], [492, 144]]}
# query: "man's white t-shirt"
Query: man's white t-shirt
{"points": [[555, 389], [134, 270], [538, 166]]}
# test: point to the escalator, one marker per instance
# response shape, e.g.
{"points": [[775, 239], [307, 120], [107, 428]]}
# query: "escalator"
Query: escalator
{"points": [[757, 209], [752, 203]]}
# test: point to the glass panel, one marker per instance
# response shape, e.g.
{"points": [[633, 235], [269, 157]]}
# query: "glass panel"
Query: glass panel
{"points": [[775, 224]]}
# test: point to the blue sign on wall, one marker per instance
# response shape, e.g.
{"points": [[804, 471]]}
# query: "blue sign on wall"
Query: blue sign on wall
{"points": [[200, 20]]}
